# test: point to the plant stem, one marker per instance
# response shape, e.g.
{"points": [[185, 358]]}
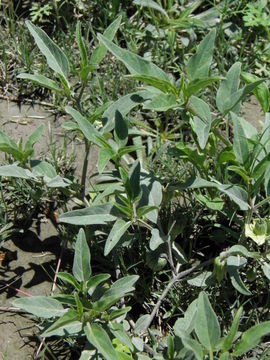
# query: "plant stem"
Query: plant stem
{"points": [[85, 166], [180, 276]]}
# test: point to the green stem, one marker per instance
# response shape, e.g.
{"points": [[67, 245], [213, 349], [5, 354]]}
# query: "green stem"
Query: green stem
{"points": [[85, 166]]}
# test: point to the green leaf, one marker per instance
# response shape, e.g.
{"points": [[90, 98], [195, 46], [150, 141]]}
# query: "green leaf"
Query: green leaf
{"points": [[94, 281], [240, 171], [115, 314], [118, 230], [41, 306], [151, 194], [228, 95], [234, 192], [199, 64], [9, 146], [100, 52], [228, 341], [134, 63], [66, 325], [41, 80], [68, 278], [196, 85], [163, 85], [134, 178], [241, 250], [240, 143], [43, 168], [124, 105], [144, 210], [82, 258], [151, 4], [206, 327], [170, 347], [266, 270], [120, 130], [162, 102], [122, 286], [15, 171], [227, 88], [251, 338], [194, 346], [56, 58], [202, 121], [105, 155], [261, 92], [98, 337], [141, 324], [202, 280], [88, 130], [123, 356], [225, 356], [81, 44], [233, 264], [34, 137], [157, 239], [93, 215], [186, 325]]}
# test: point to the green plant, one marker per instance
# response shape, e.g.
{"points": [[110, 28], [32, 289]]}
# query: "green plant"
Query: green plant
{"points": [[88, 310], [224, 187], [255, 15], [200, 334]]}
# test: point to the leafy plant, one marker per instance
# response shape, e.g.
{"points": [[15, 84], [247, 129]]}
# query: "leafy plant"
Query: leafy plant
{"points": [[88, 311]]}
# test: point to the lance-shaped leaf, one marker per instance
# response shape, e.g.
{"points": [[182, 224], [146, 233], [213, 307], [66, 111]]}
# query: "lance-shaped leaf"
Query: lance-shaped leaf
{"points": [[41, 80], [234, 192], [56, 58], [162, 85], [197, 85], [151, 194], [9, 146], [122, 286], [135, 64], [229, 86], [261, 92], [233, 264], [240, 143], [194, 346], [206, 327], [228, 341], [98, 337], [162, 102], [134, 179], [118, 230], [66, 325], [34, 137], [41, 306], [93, 215], [81, 44], [82, 259], [228, 96], [120, 129], [151, 4], [88, 130], [124, 105], [251, 338], [100, 52], [199, 64], [202, 121], [15, 171]]}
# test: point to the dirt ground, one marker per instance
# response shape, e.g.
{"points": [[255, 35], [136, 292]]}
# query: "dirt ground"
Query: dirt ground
{"points": [[33, 255]]}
